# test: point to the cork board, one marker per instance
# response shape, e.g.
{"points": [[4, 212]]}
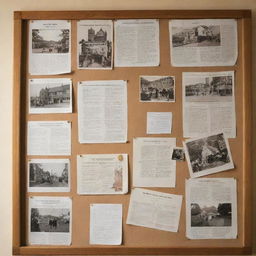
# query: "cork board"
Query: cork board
{"points": [[136, 240]]}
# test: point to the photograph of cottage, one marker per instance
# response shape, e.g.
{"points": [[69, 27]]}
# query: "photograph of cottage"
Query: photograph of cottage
{"points": [[49, 41], [157, 89], [210, 89], [211, 214], [198, 36]]}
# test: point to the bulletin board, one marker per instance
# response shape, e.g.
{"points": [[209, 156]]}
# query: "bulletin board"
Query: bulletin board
{"points": [[136, 240]]}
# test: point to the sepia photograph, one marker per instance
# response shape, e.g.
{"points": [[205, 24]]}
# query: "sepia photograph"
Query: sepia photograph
{"points": [[95, 44], [178, 154], [196, 36], [50, 41], [50, 220], [211, 214], [210, 89], [157, 89]]}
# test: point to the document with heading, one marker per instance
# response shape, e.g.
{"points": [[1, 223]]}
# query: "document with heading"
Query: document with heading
{"points": [[203, 42], [152, 163], [50, 220], [137, 43], [49, 138], [49, 47], [211, 208], [102, 174], [153, 209], [102, 111], [106, 224], [159, 122]]}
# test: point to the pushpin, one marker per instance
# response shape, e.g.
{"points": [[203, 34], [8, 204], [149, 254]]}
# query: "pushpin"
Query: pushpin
{"points": [[120, 158]]}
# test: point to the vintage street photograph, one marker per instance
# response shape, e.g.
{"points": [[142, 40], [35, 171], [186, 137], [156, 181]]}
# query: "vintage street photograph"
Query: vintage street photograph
{"points": [[95, 44], [50, 220], [178, 154], [157, 89], [211, 214], [197, 36], [50, 41], [210, 89]]}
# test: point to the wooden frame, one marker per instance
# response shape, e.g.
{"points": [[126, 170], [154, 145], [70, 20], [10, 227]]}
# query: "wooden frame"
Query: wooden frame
{"points": [[243, 68]]}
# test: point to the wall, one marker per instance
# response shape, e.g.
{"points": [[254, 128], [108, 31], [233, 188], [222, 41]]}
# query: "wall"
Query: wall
{"points": [[6, 55]]}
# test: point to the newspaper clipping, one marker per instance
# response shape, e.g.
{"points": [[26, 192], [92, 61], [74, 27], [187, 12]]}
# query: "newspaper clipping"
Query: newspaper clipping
{"points": [[95, 44], [49, 47], [50, 220], [49, 138], [152, 163], [207, 155], [50, 96], [203, 42], [102, 174], [153, 209], [211, 208], [49, 175], [208, 103], [102, 111], [137, 43]]}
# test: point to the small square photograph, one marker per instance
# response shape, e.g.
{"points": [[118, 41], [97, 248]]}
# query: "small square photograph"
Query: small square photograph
{"points": [[157, 89], [208, 155], [207, 214], [178, 154]]}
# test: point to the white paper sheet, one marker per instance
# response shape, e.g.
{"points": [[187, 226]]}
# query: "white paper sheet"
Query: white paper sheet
{"points": [[211, 208], [102, 111], [49, 138], [49, 47], [50, 220], [159, 122], [106, 224], [203, 42], [153, 209], [152, 164], [102, 174], [137, 43]]}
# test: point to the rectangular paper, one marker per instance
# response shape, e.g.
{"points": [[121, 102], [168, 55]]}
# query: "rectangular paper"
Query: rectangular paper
{"points": [[159, 122], [49, 138], [152, 163], [211, 208], [50, 220], [207, 155], [102, 174], [203, 42], [153, 209], [106, 224], [49, 47], [137, 43], [48, 175], [157, 89], [102, 111], [208, 103], [50, 96], [95, 44]]}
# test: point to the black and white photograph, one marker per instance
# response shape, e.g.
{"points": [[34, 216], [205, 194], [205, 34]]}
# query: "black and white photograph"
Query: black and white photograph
{"points": [[178, 154], [208, 155], [49, 175], [209, 89], [95, 44], [196, 36], [211, 214], [157, 89], [50, 96]]}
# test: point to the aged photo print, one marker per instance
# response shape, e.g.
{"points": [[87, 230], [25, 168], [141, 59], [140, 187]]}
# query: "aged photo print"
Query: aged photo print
{"points": [[178, 154]]}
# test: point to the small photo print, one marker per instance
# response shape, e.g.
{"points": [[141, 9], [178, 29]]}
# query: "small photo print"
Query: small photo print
{"points": [[196, 36], [178, 154], [208, 155], [50, 96], [49, 175], [50, 41], [211, 215], [157, 89]]}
